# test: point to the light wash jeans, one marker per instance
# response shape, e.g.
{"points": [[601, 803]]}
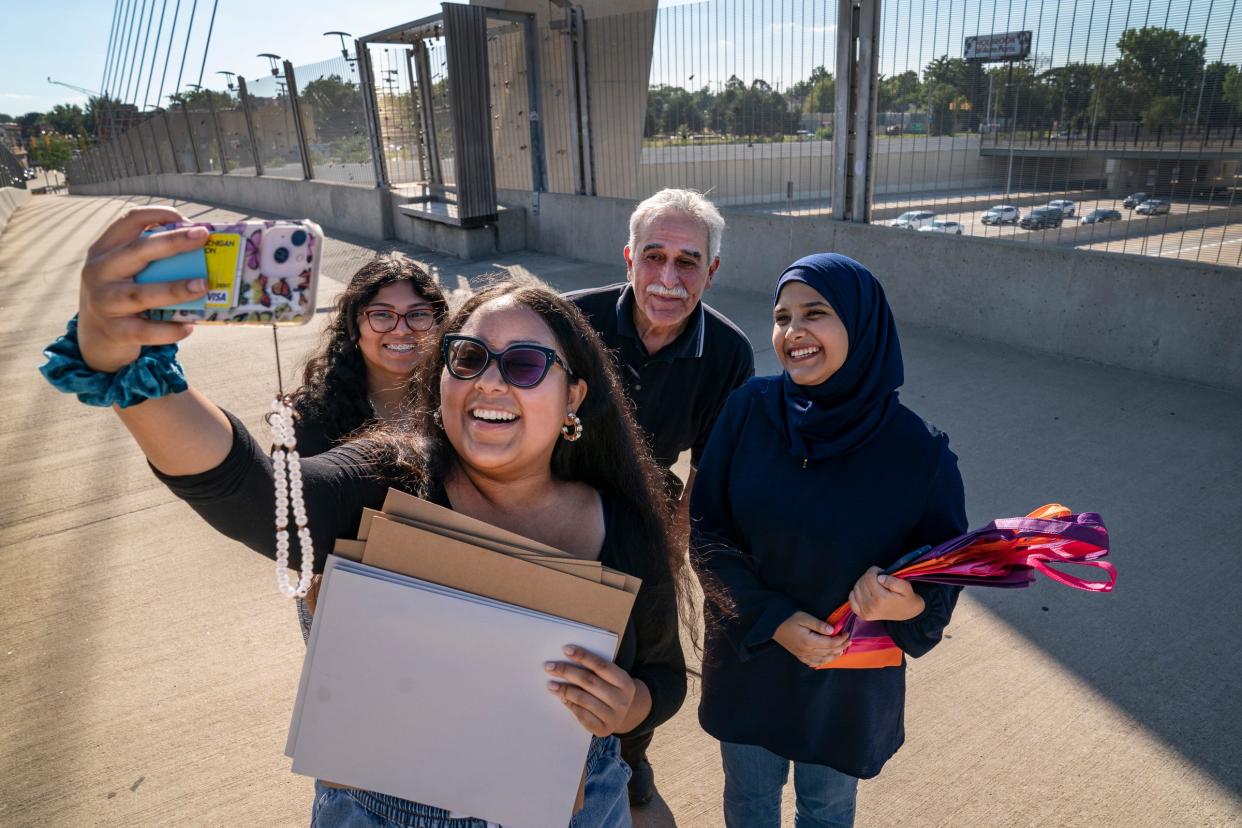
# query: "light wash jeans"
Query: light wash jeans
{"points": [[752, 793], [605, 803]]}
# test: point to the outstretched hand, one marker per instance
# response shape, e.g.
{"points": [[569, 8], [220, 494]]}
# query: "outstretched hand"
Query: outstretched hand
{"points": [[111, 331]]}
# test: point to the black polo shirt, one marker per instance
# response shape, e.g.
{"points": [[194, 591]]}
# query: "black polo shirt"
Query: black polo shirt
{"points": [[678, 391]]}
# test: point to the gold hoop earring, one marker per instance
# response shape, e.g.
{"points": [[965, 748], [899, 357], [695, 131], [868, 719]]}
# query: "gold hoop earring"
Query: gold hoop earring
{"points": [[572, 429]]}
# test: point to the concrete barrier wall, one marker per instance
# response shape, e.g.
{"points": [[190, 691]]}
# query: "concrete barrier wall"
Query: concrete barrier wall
{"points": [[1163, 316], [10, 199], [365, 211]]}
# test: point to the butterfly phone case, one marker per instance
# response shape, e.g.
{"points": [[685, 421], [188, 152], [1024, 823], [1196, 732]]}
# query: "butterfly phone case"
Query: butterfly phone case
{"points": [[257, 272]]}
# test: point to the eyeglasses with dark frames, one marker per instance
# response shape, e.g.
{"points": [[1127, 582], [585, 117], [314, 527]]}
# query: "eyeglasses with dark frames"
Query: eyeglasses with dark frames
{"points": [[382, 320], [521, 365]]}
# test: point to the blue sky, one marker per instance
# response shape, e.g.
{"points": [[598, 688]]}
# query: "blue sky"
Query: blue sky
{"points": [[69, 40]]}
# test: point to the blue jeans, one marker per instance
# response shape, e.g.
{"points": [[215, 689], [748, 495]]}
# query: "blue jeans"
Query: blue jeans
{"points": [[752, 792], [605, 802]]}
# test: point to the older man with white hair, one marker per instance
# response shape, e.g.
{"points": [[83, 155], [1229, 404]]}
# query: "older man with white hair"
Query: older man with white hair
{"points": [[678, 358]]}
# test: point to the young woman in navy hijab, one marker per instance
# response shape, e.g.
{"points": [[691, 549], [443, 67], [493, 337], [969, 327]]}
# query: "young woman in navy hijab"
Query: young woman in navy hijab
{"points": [[812, 482]]}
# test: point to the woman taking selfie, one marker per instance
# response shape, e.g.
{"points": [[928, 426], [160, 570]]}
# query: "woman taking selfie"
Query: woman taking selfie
{"points": [[521, 424], [811, 483]]}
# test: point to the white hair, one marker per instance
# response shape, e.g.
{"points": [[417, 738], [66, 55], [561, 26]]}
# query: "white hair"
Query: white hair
{"points": [[690, 203]]}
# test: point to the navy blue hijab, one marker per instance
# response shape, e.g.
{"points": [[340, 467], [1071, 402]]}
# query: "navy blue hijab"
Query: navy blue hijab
{"points": [[848, 409]]}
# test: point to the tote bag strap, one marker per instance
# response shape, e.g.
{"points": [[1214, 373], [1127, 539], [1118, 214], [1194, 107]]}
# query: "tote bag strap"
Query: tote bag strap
{"points": [[1040, 563]]}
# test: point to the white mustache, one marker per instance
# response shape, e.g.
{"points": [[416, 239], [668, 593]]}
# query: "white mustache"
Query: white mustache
{"points": [[671, 293]]}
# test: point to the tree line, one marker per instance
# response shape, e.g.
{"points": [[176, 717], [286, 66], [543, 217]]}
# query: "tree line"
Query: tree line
{"points": [[1160, 79]]}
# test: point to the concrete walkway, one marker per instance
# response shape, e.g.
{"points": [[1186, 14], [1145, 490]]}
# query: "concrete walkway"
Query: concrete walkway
{"points": [[148, 667]]}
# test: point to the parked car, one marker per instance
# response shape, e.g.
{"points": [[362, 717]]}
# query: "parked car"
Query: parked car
{"points": [[1066, 206], [1001, 214], [951, 228], [1153, 207], [1097, 216], [1133, 200], [1041, 218], [913, 219]]}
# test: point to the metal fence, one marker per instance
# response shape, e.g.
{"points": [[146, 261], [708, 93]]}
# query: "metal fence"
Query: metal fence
{"points": [[334, 115], [739, 101], [275, 131], [397, 110], [1113, 104], [737, 98]]}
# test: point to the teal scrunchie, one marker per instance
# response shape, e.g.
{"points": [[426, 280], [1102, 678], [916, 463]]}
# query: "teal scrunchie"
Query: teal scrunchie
{"points": [[155, 373]]}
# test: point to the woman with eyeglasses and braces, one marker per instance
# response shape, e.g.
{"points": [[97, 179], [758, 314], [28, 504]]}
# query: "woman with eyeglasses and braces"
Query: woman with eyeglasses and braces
{"points": [[521, 424], [373, 345], [384, 322]]}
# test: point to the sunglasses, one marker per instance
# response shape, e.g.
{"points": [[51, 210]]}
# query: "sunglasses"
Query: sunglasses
{"points": [[383, 321], [522, 366]]}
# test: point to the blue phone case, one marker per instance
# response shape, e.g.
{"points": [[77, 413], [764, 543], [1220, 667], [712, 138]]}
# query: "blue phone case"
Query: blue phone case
{"points": [[191, 264]]}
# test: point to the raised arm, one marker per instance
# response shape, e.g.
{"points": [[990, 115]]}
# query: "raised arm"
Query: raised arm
{"points": [[182, 433], [204, 456]]}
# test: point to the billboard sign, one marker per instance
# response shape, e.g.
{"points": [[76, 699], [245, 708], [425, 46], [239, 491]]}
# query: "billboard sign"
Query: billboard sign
{"points": [[1006, 46]]}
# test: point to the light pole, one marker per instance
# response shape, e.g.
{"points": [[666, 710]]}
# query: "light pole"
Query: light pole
{"points": [[272, 62], [344, 48]]}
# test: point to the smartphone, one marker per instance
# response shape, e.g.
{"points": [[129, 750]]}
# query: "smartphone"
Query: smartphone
{"points": [[257, 272]]}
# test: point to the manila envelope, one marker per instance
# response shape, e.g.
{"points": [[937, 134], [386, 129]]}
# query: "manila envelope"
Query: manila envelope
{"points": [[400, 504], [438, 519], [419, 553], [591, 570]]}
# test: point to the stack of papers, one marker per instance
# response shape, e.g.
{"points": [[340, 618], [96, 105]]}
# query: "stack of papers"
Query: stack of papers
{"points": [[424, 675]]}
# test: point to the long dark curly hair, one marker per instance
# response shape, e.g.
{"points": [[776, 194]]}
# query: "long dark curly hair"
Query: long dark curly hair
{"points": [[334, 383], [612, 456]]}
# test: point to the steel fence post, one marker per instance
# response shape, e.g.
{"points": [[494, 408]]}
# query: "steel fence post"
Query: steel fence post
{"points": [[215, 125], [244, 94], [299, 128], [366, 84]]}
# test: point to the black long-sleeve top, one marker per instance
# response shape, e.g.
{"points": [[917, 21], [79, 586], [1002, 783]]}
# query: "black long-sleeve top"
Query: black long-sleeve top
{"points": [[783, 534], [237, 499]]}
